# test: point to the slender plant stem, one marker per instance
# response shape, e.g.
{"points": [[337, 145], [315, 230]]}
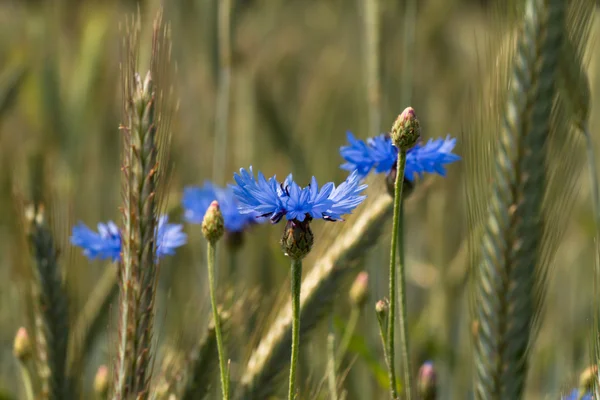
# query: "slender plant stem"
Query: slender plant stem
{"points": [[27, 384], [211, 282], [393, 289], [331, 364], [348, 333], [296, 286], [403, 310]]}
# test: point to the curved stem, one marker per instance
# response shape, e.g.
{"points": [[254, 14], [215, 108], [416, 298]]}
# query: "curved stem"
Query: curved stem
{"points": [[211, 282], [296, 286], [348, 333], [393, 300]]}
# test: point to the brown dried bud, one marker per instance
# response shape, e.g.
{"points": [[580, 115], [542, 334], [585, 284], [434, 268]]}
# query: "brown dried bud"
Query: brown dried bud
{"points": [[297, 239], [213, 226], [359, 291], [427, 382], [22, 345], [406, 130], [101, 381]]}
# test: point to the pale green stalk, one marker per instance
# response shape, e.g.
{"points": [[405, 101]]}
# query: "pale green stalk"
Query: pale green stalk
{"points": [[296, 286], [403, 307], [211, 255], [348, 333], [331, 363], [27, 384]]}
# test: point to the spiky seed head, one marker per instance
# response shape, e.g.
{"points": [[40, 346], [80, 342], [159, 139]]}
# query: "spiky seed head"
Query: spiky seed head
{"points": [[101, 381], [427, 381], [359, 291], [587, 378], [390, 183], [406, 130], [22, 345], [213, 225], [297, 239], [142, 95]]}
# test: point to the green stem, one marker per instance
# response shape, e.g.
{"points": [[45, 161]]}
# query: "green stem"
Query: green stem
{"points": [[393, 290], [296, 286], [26, 376], [348, 333], [331, 364], [211, 255]]}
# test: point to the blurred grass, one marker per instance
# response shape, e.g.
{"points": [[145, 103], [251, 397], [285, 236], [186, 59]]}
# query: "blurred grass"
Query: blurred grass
{"points": [[297, 85]]}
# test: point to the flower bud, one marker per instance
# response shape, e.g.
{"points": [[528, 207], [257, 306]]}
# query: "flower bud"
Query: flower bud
{"points": [[426, 383], [587, 378], [213, 226], [382, 308], [406, 130], [101, 381], [359, 292], [22, 345], [297, 239]]}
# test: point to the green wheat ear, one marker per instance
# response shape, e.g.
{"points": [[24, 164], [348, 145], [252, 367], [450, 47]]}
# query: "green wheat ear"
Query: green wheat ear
{"points": [[525, 210]]}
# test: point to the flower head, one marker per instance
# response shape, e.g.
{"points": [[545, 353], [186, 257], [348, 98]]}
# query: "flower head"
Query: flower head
{"points": [[106, 243], [196, 201], [574, 395], [380, 154], [274, 200]]}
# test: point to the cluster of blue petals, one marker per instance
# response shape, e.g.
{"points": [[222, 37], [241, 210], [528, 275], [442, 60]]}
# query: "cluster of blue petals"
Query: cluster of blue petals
{"points": [[269, 198], [196, 201], [574, 395], [106, 243], [380, 154]]}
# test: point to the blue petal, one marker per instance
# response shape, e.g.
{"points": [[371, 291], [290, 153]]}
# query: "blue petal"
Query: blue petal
{"points": [[346, 197], [358, 156], [258, 196], [430, 157], [169, 237], [102, 245]]}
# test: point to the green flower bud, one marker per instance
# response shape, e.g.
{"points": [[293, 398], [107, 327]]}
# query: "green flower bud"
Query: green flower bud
{"points": [[297, 239], [359, 292], [213, 226], [101, 381], [382, 308], [427, 382], [22, 345], [406, 130]]}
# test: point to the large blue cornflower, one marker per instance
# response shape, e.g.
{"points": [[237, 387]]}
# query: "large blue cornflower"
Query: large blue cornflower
{"points": [[272, 199], [196, 200], [380, 154], [106, 243]]}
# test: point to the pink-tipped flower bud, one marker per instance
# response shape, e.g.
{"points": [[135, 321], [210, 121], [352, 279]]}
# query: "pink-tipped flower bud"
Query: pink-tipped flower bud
{"points": [[406, 130], [427, 381], [297, 239], [359, 292], [213, 226], [587, 378], [101, 381], [382, 307], [22, 345]]}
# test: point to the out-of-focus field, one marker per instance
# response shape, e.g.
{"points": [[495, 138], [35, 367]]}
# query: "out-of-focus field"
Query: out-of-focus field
{"points": [[297, 85]]}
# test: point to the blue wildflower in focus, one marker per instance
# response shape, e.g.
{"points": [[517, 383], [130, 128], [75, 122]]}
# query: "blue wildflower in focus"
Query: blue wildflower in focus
{"points": [[106, 243], [272, 199], [574, 395], [380, 154], [196, 200]]}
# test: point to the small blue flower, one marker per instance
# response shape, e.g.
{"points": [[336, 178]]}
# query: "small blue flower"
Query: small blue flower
{"points": [[574, 395], [273, 199], [196, 200], [107, 242], [380, 154]]}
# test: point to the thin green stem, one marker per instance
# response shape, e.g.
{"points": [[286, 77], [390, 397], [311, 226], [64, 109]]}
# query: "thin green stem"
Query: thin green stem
{"points": [[393, 289], [331, 366], [296, 286], [211, 255], [403, 310], [348, 333], [27, 384]]}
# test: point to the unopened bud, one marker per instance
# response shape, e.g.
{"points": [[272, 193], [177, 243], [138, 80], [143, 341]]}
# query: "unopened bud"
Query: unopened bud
{"points": [[22, 345], [213, 226], [587, 378], [406, 130], [427, 382], [101, 381], [297, 239], [359, 292], [382, 308]]}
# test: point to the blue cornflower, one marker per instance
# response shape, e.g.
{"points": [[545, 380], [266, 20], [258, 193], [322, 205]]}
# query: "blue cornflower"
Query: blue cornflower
{"points": [[106, 243], [574, 395], [269, 198], [380, 154], [196, 200]]}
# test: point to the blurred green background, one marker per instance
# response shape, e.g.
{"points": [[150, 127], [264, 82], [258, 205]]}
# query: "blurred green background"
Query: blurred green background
{"points": [[298, 83]]}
